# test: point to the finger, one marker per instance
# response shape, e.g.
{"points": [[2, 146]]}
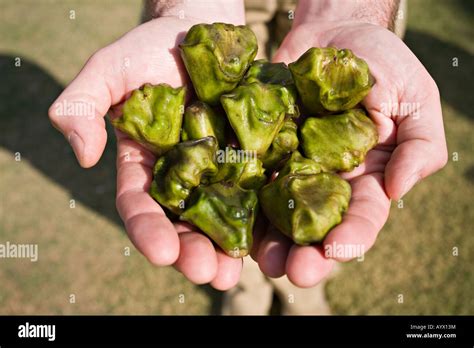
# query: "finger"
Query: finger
{"points": [[197, 259], [78, 112], [273, 252], [421, 148], [182, 226], [145, 221], [421, 145], [306, 266], [228, 271], [367, 213], [374, 162], [386, 128], [291, 48]]}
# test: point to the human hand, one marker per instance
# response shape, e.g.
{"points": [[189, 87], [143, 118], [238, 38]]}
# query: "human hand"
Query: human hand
{"points": [[147, 54], [405, 105]]}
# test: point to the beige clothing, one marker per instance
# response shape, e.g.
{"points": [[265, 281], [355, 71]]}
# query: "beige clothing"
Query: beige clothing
{"points": [[253, 295]]}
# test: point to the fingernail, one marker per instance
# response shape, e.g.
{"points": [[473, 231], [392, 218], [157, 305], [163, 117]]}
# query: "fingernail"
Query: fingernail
{"points": [[409, 183], [77, 145]]}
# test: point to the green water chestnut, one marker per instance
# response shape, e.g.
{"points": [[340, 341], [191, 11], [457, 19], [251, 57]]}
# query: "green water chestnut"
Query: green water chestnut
{"points": [[216, 57], [297, 164], [200, 121], [256, 112], [270, 73], [240, 168], [226, 213], [339, 142], [180, 170], [329, 79], [152, 116], [284, 143], [305, 207]]}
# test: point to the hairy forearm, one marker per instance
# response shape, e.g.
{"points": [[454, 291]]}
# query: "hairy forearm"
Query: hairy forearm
{"points": [[378, 12], [229, 11]]}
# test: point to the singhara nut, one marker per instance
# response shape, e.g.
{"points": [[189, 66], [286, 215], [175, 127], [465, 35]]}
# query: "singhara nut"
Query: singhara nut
{"points": [[200, 121], [226, 213], [152, 116], [297, 164], [240, 168], [339, 142], [180, 170], [329, 79], [305, 207], [216, 57], [256, 113], [284, 143], [270, 73]]}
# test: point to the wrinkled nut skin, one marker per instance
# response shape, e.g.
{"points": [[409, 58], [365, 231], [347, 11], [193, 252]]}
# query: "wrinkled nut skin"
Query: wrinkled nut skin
{"points": [[329, 79], [216, 57], [305, 207], [256, 113], [278, 74], [285, 142], [200, 121], [226, 213], [339, 142], [297, 164], [237, 167], [152, 116], [271, 73], [180, 170]]}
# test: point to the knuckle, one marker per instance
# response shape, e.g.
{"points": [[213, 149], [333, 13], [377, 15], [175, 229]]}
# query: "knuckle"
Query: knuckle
{"points": [[53, 112], [440, 160], [432, 87], [54, 116], [97, 57], [443, 157]]}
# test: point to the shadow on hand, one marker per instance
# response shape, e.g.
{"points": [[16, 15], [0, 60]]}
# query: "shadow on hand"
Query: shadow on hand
{"points": [[26, 93]]}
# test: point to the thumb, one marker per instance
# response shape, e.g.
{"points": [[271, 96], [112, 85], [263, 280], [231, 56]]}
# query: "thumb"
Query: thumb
{"points": [[78, 112], [290, 49], [282, 55]]}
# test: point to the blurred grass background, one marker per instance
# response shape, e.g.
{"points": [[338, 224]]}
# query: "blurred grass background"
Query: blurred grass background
{"points": [[82, 249]]}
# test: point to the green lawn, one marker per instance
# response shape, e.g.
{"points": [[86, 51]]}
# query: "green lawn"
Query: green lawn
{"points": [[82, 249]]}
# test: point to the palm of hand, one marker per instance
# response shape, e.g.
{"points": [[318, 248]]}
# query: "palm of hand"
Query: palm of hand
{"points": [[404, 104], [149, 54]]}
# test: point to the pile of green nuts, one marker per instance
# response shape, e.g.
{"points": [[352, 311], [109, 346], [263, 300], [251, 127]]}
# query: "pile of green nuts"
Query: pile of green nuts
{"points": [[260, 134]]}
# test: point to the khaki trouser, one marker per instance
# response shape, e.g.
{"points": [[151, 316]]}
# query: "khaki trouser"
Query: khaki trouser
{"points": [[253, 295], [271, 21]]}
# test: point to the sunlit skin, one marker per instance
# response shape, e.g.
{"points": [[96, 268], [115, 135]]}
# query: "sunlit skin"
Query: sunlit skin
{"points": [[105, 82], [409, 148]]}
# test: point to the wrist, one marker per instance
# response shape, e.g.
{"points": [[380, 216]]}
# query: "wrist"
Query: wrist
{"points": [[204, 11], [377, 12]]}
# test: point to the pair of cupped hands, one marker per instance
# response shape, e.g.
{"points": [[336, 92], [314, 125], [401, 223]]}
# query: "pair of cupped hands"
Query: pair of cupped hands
{"points": [[411, 146]]}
